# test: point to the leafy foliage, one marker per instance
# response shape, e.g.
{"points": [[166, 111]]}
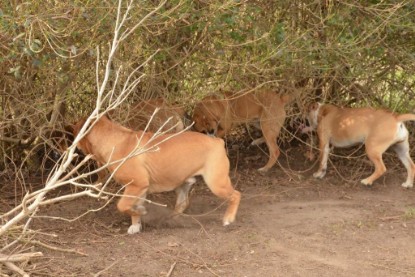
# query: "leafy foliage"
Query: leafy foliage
{"points": [[348, 52]]}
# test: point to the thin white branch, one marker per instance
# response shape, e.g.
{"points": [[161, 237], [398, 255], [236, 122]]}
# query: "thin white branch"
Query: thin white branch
{"points": [[19, 257], [33, 200]]}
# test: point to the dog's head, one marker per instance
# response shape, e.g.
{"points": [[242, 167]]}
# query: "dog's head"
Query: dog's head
{"points": [[208, 113], [205, 124], [312, 115], [84, 145]]}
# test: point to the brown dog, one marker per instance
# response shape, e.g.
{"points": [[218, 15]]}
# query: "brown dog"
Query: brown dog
{"points": [[377, 129], [170, 164], [217, 116], [140, 113]]}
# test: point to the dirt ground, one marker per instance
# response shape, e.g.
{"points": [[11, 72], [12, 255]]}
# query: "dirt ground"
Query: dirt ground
{"points": [[288, 224]]}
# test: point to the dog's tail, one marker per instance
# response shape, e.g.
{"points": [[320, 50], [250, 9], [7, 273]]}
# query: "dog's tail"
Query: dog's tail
{"points": [[406, 117]]}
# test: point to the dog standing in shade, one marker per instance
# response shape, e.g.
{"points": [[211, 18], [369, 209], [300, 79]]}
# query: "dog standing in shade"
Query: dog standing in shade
{"points": [[216, 116], [378, 129]]}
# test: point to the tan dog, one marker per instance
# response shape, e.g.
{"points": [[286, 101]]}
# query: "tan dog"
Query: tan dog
{"points": [[140, 113], [217, 116], [377, 129], [171, 167]]}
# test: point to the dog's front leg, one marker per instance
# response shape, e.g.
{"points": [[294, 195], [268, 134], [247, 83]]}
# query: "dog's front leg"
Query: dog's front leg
{"points": [[324, 155], [140, 210], [134, 207], [270, 133]]}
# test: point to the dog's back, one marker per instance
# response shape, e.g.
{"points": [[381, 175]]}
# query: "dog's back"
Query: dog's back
{"points": [[348, 126], [251, 106]]}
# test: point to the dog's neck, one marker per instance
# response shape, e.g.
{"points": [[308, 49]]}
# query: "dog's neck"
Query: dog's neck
{"points": [[313, 117], [106, 136]]}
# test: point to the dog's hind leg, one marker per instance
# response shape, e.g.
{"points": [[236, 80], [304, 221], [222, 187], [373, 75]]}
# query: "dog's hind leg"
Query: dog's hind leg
{"points": [[220, 184], [375, 155], [324, 148], [132, 203], [182, 192], [402, 149], [216, 175], [223, 189], [270, 134]]}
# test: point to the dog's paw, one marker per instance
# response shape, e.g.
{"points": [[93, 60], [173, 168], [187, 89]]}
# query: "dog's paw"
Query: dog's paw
{"points": [[228, 220], [319, 174], [134, 229], [263, 169], [407, 185], [366, 182], [258, 141]]}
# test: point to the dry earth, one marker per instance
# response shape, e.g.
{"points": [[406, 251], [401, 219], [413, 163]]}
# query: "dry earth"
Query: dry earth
{"points": [[288, 225]]}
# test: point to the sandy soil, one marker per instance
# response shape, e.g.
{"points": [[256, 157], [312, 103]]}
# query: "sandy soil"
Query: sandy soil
{"points": [[289, 224]]}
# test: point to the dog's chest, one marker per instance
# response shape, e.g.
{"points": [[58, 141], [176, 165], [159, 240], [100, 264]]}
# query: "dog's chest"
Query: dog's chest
{"points": [[156, 187]]}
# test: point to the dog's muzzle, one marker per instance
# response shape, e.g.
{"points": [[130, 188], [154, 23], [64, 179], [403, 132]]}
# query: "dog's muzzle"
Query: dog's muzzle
{"points": [[211, 133]]}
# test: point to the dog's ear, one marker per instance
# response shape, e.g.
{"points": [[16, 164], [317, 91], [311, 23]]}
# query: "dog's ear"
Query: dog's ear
{"points": [[109, 115], [324, 110], [75, 128], [69, 128], [196, 122], [313, 106], [195, 118], [85, 146]]}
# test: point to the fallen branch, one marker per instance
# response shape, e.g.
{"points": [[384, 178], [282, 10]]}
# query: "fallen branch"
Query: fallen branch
{"points": [[15, 268], [390, 217], [105, 269], [19, 257], [54, 248], [9, 260], [171, 269]]}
